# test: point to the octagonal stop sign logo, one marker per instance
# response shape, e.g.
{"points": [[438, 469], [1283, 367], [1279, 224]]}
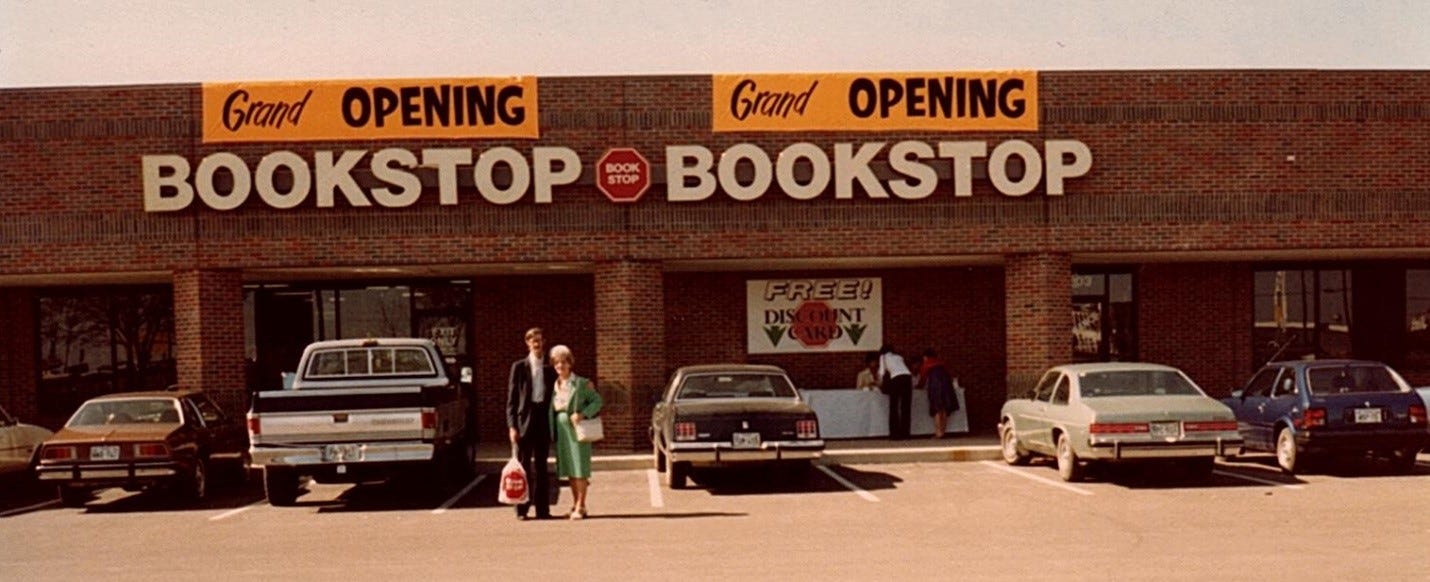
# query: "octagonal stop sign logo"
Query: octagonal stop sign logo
{"points": [[815, 324], [623, 174]]}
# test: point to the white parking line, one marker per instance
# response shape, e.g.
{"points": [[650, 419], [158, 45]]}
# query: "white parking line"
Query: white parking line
{"points": [[656, 499], [1258, 480], [40, 505], [238, 510], [848, 485], [1040, 479], [459, 495]]}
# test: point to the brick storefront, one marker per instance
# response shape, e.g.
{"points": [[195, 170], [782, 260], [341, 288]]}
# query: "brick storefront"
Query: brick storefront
{"points": [[1200, 180]]}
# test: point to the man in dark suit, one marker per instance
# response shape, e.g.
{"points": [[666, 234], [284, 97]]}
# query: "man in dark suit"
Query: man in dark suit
{"points": [[528, 420]]}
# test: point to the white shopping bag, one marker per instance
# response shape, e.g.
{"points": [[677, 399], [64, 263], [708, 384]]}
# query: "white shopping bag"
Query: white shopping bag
{"points": [[512, 490]]}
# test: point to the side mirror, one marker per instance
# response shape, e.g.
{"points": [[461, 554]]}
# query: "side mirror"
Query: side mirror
{"points": [[1237, 393], [466, 375]]}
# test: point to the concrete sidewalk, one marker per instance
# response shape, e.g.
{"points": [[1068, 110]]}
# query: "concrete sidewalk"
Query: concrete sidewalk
{"points": [[978, 447]]}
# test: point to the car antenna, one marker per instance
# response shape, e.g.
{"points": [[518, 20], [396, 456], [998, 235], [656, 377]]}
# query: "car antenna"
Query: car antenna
{"points": [[1286, 344]]}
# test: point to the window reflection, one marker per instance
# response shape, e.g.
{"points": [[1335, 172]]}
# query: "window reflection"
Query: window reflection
{"points": [[1300, 313], [1417, 318], [98, 342]]}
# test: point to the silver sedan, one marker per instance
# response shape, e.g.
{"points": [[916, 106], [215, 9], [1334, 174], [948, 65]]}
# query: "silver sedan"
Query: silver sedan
{"points": [[1114, 412]]}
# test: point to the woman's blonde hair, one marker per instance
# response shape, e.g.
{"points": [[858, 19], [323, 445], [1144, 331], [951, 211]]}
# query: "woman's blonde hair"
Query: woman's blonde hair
{"points": [[560, 352]]}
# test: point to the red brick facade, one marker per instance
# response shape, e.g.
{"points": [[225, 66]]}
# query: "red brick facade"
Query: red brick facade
{"points": [[1198, 177]]}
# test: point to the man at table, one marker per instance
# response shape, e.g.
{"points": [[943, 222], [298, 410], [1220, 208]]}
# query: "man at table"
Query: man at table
{"points": [[867, 380], [898, 384]]}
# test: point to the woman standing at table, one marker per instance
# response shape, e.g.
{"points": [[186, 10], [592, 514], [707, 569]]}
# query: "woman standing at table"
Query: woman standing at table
{"points": [[934, 376], [574, 399]]}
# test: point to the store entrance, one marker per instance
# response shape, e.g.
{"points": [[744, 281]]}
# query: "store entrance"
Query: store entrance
{"points": [[281, 320], [1104, 317]]}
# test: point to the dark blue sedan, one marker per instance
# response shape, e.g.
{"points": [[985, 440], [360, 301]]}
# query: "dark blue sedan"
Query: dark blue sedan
{"points": [[1330, 408]]}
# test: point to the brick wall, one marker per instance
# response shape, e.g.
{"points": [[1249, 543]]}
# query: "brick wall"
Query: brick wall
{"points": [[208, 330], [1039, 317], [1198, 317], [18, 353], [630, 343]]}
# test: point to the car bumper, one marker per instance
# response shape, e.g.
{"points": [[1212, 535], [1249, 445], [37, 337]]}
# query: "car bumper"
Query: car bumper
{"points": [[1113, 449], [340, 454], [1326, 441], [726, 453], [110, 474]]}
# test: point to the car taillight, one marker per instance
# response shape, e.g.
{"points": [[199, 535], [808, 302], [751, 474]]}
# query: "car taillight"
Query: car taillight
{"points": [[806, 429], [1209, 426], [151, 450], [254, 427], [1117, 427], [429, 423], [1417, 414], [1313, 417], [685, 431], [58, 453]]}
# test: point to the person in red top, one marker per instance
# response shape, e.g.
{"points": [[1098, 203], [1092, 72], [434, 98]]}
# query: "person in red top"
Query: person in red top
{"points": [[934, 376]]}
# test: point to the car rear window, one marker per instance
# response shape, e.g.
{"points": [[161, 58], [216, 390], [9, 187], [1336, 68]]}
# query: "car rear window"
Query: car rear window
{"points": [[1135, 383], [130, 411], [1328, 380], [370, 362], [735, 386]]}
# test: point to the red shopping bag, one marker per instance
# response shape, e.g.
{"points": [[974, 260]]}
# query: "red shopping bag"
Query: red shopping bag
{"points": [[512, 490]]}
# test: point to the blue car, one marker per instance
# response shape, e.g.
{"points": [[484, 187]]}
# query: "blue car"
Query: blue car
{"points": [[1330, 408]]}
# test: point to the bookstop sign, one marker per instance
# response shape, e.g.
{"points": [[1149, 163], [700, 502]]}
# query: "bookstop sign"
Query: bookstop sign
{"points": [[623, 174]]}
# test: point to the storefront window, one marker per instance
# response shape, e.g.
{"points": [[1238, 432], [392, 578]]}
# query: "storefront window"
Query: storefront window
{"points": [[1302, 313], [1104, 317], [1417, 318], [94, 343]]}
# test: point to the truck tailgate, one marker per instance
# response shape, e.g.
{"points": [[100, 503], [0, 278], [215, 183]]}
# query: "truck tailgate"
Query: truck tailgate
{"points": [[338, 415]]}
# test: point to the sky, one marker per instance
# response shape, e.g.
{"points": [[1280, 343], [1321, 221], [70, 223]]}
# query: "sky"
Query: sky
{"points": [[73, 43]]}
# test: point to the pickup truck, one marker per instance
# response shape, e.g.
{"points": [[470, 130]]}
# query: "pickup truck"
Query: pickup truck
{"points": [[362, 410]]}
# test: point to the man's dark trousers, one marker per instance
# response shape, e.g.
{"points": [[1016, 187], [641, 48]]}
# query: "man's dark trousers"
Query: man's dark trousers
{"points": [[532, 450], [901, 392]]}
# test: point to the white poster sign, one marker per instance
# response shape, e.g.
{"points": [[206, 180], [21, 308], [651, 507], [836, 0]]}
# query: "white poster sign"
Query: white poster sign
{"points": [[801, 316]]}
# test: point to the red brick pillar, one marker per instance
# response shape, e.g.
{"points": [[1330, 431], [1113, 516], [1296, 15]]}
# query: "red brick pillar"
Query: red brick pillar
{"points": [[630, 348], [1039, 316], [208, 330], [18, 376]]}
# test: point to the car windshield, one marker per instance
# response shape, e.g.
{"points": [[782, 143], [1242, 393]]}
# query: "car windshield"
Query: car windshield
{"points": [[1135, 383], [735, 386], [1351, 379], [129, 411]]}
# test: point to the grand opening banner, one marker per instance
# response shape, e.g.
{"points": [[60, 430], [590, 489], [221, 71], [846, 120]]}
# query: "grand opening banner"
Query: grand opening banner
{"points": [[474, 108], [957, 101], [796, 316]]}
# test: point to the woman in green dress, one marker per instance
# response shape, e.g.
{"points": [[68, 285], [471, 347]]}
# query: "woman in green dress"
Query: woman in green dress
{"points": [[575, 399]]}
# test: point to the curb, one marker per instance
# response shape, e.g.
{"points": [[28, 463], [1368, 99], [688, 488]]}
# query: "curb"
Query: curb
{"points": [[830, 457]]}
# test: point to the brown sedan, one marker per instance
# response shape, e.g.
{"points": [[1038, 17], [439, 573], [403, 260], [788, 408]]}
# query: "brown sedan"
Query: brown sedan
{"points": [[139, 440]]}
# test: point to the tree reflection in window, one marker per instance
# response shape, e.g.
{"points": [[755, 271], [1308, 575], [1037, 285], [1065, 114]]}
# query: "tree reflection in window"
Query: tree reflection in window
{"points": [[103, 341]]}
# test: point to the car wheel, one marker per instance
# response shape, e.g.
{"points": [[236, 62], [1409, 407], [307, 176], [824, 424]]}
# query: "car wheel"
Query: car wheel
{"points": [[1287, 457], [196, 484], [1068, 467], [1013, 452], [74, 496], [280, 486], [675, 474], [1403, 460], [658, 456], [243, 469]]}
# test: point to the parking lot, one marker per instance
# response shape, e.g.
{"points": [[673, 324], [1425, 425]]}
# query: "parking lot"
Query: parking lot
{"points": [[966, 520]]}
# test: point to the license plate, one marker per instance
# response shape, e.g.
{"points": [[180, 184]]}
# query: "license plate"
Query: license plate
{"points": [[1367, 415], [340, 453], [747, 440], [104, 453], [1166, 429]]}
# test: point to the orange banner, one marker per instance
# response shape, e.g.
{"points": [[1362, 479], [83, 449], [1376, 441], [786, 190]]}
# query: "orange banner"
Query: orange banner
{"points": [[479, 108], [960, 101]]}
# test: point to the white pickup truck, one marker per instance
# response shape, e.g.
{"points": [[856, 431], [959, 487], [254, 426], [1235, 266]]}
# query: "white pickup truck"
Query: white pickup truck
{"points": [[362, 410]]}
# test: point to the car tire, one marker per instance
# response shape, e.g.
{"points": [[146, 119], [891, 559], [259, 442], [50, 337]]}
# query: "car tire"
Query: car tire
{"points": [[1068, 466], [1288, 455], [1013, 452], [280, 486], [74, 496], [196, 483], [675, 474], [1403, 461]]}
